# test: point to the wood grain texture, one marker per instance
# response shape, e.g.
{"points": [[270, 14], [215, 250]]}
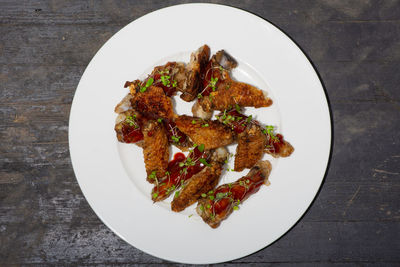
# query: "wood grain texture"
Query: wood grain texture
{"points": [[44, 49]]}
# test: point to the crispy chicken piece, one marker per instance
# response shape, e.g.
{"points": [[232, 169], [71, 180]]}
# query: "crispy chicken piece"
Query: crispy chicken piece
{"points": [[228, 197], [241, 124], [231, 93], [212, 134], [194, 70], [250, 149], [155, 150], [153, 103], [201, 182], [221, 92]]}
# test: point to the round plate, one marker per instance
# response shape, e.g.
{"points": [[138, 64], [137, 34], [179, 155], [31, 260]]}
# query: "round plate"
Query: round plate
{"points": [[112, 175]]}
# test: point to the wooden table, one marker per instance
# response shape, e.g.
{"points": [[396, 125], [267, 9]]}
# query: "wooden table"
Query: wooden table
{"points": [[44, 49]]}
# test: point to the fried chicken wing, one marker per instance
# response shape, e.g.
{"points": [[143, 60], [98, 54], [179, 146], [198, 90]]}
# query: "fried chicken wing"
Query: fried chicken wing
{"points": [[227, 198], [155, 150], [194, 70], [230, 93], [153, 103], [201, 182], [221, 92], [274, 144], [212, 134], [250, 149]]}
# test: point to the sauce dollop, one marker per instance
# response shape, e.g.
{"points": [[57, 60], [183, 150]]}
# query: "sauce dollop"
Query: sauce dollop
{"points": [[130, 134]]}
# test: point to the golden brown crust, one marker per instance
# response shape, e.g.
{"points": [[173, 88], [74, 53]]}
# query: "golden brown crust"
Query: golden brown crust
{"points": [[212, 134], [250, 149], [200, 183], [153, 103], [155, 149], [230, 93]]}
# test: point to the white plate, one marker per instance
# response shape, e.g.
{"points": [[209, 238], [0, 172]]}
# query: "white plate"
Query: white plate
{"points": [[112, 175]]}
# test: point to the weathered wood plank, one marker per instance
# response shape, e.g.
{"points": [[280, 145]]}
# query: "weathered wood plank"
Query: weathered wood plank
{"points": [[109, 12], [23, 84], [324, 242], [72, 45]]}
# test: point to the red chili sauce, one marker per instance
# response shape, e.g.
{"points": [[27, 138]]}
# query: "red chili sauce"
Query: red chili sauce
{"points": [[228, 195], [130, 134], [179, 170]]}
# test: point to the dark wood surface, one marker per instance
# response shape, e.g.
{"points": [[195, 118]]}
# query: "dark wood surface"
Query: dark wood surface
{"points": [[44, 49]]}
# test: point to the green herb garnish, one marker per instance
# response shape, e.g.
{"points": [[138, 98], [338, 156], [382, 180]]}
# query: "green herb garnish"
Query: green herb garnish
{"points": [[152, 176], [175, 138], [213, 83], [201, 147], [148, 84], [269, 129], [205, 162], [237, 107], [165, 80], [249, 119]]}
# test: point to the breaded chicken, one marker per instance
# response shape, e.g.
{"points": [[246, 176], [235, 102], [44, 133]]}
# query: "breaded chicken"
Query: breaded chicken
{"points": [[153, 103], [221, 92], [194, 70], [227, 198], [251, 136], [212, 134], [155, 150], [201, 182], [231, 93], [250, 149]]}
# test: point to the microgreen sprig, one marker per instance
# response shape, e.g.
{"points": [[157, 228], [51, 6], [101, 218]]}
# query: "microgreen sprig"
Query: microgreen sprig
{"points": [[147, 85], [269, 130], [131, 121]]}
